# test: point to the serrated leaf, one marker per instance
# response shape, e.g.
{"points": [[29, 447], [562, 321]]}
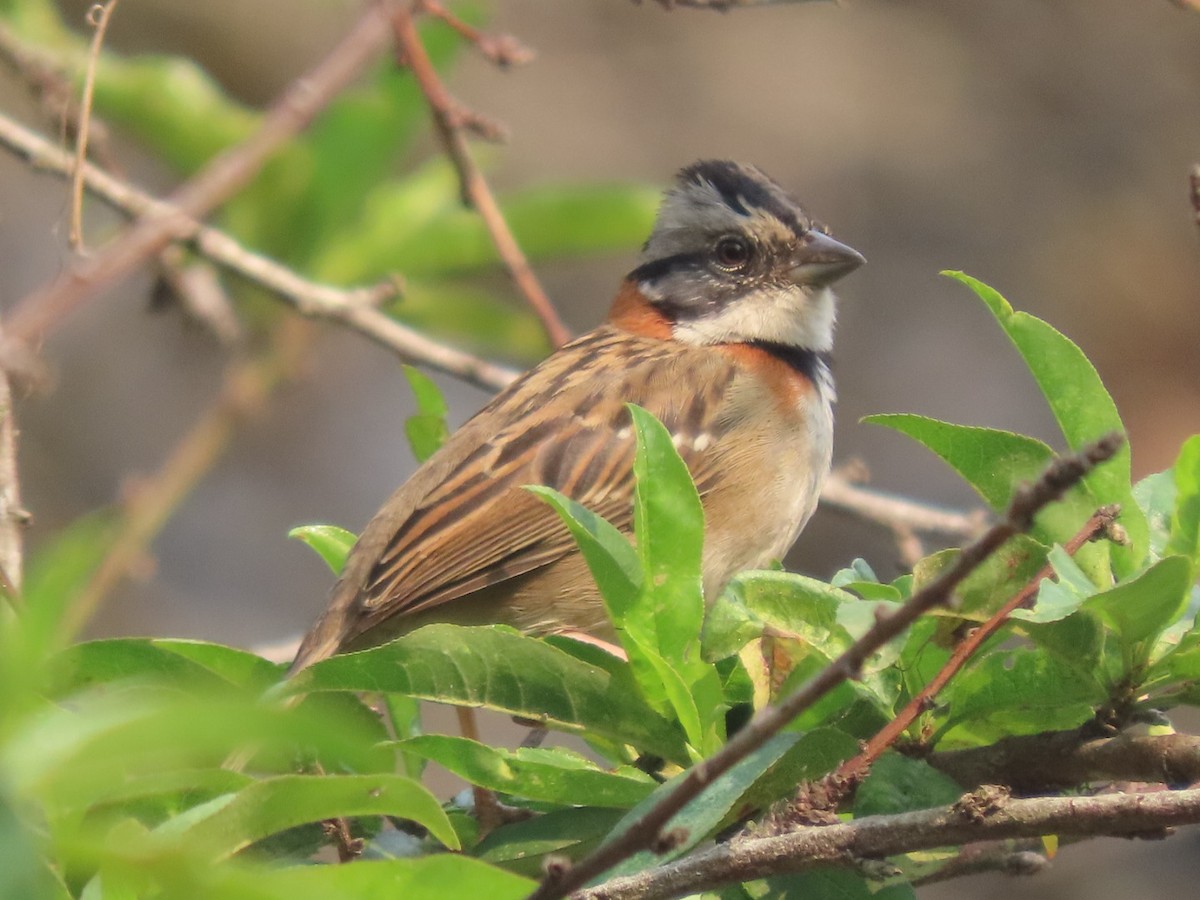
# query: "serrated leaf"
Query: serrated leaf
{"points": [[331, 543], [1081, 405], [230, 823], [495, 668], [554, 775]]}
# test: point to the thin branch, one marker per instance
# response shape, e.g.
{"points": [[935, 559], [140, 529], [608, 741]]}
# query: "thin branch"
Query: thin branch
{"points": [[1056, 760], [503, 50], [899, 514], [354, 308], [983, 816], [98, 16], [851, 771], [152, 502], [1194, 187], [646, 831], [225, 174], [1000, 858], [13, 516], [449, 119]]}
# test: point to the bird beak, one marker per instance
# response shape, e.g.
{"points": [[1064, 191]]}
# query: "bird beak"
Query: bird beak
{"points": [[823, 260]]}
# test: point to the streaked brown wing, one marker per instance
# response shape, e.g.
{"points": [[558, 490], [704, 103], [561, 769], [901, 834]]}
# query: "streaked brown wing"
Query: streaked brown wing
{"points": [[464, 521]]}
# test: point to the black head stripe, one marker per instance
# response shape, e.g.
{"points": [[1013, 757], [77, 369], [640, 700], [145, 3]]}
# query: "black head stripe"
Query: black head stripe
{"points": [[740, 191], [657, 268]]}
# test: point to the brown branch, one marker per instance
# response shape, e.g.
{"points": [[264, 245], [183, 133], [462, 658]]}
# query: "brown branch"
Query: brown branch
{"points": [[852, 771], [1055, 760], [1001, 858], [98, 17], [1194, 187], [504, 50], [13, 516], [898, 514], [151, 503], [645, 832], [225, 174], [355, 308], [984, 816], [450, 120]]}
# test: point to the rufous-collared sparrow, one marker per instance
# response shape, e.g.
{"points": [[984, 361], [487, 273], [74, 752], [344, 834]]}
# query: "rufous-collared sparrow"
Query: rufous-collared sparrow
{"points": [[722, 331]]}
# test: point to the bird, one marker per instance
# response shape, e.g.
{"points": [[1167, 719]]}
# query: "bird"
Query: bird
{"points": [[723, 331]]}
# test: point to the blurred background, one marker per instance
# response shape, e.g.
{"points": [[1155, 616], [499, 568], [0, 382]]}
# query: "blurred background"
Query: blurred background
{"points": [[1043, 147]]}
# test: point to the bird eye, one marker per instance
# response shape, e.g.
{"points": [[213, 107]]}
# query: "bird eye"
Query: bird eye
{"points": [[732, 252]]}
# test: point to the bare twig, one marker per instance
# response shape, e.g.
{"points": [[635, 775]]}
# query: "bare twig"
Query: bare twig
{"points": [[645, 832], [354, 308], [902, 516], [985, 815], [13, 517], [851, 771], [195, 286], [502, 49], [39, 312], [999, 857], [98, 16], [247, 385], [1194, 187], [1055, 760], [449, 119]]}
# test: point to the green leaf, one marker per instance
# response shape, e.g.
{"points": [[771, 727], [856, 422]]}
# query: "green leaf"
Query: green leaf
{"points": [[552, 775], [230, 823], [1018, 691], [610, 557], [1139, 610], [565, 220], [58, 575], [523, 846], [1155, 494], [72, 755], [172, 106], [495, 668], [184, 664], [427, 429], [429, 878], [1185, 520], [707, 811], [332, 543], [1081, 405], [828, 884], [995, 463], [899, 784]]}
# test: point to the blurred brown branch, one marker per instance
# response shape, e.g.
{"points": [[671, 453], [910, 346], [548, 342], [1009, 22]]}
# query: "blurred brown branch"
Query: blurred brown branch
{"points": [[452, 121], [355, 308], [13, 516], [39, 312], [988, 814], [151, 501], [98, 17]]}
